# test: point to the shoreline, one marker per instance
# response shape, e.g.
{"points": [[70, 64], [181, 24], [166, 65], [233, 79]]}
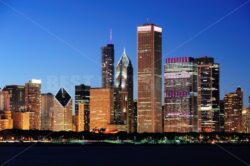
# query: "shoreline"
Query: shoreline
{"points": [[64, 144]]}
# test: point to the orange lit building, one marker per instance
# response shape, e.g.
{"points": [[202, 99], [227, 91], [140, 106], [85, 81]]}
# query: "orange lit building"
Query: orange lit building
{"points": [[6, 122], [79, 118], [101, 104], [21, 120], [33, 103], [112, 129], [246, 120], [46, 113]]}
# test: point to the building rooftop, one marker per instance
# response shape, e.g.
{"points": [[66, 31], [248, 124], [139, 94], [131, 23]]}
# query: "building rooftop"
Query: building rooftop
{"points": [[63, 97]]}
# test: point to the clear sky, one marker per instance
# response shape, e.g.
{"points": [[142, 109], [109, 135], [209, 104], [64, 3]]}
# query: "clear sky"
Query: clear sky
{"points": [[59, 41]]}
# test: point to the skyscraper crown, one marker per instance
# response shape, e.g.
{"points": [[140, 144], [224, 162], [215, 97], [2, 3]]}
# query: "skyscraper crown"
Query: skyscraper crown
{"points": [[63, 97], [124, 60]]}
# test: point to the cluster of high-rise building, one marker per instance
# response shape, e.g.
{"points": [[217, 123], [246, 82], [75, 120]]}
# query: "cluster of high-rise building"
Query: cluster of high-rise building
{"points": [[191, 97]]}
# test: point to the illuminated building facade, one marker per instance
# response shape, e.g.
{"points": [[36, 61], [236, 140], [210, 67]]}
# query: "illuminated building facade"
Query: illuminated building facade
{"points": [[108, 53], [21, 120], [246, 120], [47, 109], [222, 116], [208, 95], [180, 95], [62, 112], [17, 97], [82, 98], [79, 118], [33, 103], [135, 116], [149, 79], [4, 101], [233, 103], [6, 122], [123, 107], [101, 105]]}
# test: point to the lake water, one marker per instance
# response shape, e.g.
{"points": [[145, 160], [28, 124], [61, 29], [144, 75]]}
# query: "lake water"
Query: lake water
{"points": [[118, 155]]}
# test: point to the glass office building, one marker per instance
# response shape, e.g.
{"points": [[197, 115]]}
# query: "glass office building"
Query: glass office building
{"points": [[208, 94], [180, 95]]}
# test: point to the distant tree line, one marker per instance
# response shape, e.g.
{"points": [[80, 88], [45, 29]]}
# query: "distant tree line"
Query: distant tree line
{"points": [[40, 135]]}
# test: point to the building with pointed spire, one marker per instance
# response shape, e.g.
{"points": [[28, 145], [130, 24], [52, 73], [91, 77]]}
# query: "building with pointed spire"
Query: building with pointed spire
{"points": [[123, 97]]}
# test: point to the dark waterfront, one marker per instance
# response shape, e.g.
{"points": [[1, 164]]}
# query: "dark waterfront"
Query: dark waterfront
{"points": [[129, 155]]}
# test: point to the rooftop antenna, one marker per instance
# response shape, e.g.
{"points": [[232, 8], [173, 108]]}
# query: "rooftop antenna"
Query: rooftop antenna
{"points": [[147, 20], [110, 36]]}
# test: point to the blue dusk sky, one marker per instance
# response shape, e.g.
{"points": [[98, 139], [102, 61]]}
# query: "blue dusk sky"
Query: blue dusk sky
{"points": [[59, 41]]}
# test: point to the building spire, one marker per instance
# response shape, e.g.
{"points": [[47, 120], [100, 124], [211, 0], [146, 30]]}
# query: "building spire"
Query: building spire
{"points": [[124, 51]]}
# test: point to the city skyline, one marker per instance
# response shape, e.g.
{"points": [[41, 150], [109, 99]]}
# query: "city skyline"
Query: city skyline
{"points": [[25, 51], [124, 82]]}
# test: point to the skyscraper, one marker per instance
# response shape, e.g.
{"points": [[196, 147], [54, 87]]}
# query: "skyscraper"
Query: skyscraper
{"points": [[47, 109], [222, 116], [135, 116], [79, 118], [233, 103], [246, 120], [62, 112], [208, 95], [21, 120], [17, 97], [108, 66], [6, 122], [33, 103], [123, 107], [180, 92], [82, 97], [101, 104], [149, 78], [249, 102], [4, 101]]}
